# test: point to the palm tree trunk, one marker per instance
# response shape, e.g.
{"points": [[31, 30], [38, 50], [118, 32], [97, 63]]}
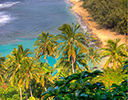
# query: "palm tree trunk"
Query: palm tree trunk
{"points": [[72, 66], [30, 90], [20, 94], [46, 60], [46, 90], [26, 91], [45, 86]]}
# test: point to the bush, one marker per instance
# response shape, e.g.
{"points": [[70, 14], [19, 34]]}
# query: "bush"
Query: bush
{"points": [[79, 87]]}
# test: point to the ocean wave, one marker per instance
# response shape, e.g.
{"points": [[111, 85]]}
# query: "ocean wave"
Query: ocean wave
{"points": [[5, 18], [7, 4]]}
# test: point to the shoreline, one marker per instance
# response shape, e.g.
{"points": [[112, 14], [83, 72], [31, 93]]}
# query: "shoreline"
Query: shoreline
{"points": [[80, 20], [95, 29]]}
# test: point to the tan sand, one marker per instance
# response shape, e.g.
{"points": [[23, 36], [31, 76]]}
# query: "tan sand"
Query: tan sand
{"points": [[102, 33]]}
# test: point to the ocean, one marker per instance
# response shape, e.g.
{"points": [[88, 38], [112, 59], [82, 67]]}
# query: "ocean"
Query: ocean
{"points": [[21, 21]]}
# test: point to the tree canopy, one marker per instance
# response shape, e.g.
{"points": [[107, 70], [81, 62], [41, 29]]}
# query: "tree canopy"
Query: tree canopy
{"points": [[109, 13]]}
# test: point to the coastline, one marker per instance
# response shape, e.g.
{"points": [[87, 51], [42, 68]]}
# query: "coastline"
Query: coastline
{"points": [[79, 18], [93, 28]]}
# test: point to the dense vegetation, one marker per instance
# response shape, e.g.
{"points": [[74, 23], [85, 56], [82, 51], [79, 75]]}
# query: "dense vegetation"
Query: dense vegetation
{"points": [[23, 75], [109, 13]]}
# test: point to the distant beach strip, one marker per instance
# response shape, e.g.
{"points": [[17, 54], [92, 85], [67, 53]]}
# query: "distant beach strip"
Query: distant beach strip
{"points": [[91, 26]]}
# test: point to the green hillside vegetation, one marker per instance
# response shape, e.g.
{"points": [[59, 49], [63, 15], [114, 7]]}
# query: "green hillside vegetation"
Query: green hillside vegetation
{"points": [[109, 13], [23, 75]]}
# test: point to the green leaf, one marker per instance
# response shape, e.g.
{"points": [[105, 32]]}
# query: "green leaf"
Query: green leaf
{"points": [[44, 93], [103, 97]]}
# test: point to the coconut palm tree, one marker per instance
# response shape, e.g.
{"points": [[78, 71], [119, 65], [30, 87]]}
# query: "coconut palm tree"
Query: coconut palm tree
{"points": [[46, 76], [64, 64], [2, 68], [114, 52], [69, 39], [14, 65], [44, 45], [93, 56], [30, 70]]}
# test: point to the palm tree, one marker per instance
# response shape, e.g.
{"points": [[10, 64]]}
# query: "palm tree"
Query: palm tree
{"points": [[14, 64], [64, 66], [2, 68], [46, 76], [69, 39], [114, 52], [93, 56], [30, 70], [44, 45]]}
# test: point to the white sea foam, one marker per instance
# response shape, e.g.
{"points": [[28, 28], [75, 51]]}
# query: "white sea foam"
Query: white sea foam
{"points": [[5, 18], [7, 4]]}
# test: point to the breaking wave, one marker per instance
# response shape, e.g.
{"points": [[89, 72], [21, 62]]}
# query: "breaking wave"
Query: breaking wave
{"points": [[5, 18], [7, 4]]}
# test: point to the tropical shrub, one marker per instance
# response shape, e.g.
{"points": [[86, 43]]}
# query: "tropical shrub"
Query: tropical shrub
{"points": [[79, 87], [11, 93], [111, 76]]}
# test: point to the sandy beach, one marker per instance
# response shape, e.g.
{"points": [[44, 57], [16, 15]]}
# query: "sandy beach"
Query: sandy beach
{"points": [[96, 30]]}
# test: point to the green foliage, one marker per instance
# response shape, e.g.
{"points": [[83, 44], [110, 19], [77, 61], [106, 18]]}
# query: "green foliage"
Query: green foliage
{"points": [[27, 73], [10, 93], [2, 69], [111, 76], [125, 65], [109, 13], [45, 76], [20, 67], [115, 52], [31, 98], [93, 56], [63, 66], [70, 39], [79, 87], [37, 89], [44, 45], [2, 59], [15, 64]]}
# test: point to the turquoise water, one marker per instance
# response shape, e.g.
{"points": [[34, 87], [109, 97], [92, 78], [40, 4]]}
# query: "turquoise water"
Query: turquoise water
{"points": [[21, 21]]}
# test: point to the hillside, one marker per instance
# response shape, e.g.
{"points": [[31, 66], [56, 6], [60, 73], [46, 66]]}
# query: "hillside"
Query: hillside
{"points": [[109, 13]]}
